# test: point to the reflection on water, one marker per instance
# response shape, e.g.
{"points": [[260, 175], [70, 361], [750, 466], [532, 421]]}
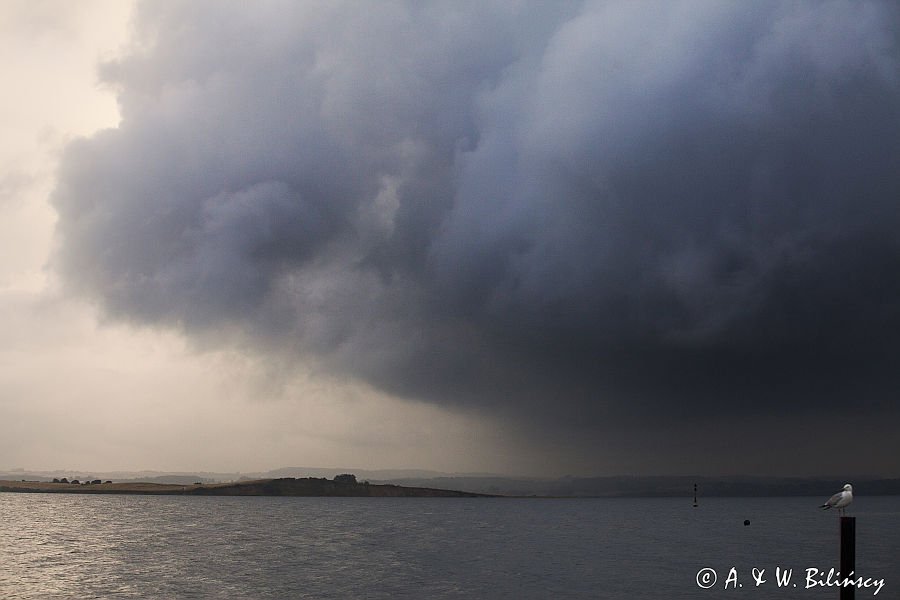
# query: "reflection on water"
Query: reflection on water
{"points": [[56, 546]]}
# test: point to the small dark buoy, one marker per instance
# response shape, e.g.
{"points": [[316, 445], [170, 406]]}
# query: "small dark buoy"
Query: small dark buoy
{"points": [[695, 495], [746, 522]]}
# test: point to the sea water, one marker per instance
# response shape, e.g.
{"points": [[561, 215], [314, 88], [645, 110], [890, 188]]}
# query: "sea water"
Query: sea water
{"points": [[117, 546]]}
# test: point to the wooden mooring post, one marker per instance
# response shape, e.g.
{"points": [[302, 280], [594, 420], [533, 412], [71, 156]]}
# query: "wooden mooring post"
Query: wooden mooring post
{"points": [[848, 555]]}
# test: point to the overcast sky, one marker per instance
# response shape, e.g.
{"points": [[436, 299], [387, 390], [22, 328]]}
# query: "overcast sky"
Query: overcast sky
{"points": [[520, 237]]}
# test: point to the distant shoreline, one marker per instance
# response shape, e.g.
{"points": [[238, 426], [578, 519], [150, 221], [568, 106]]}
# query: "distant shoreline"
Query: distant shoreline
{"points": [[679, 486], [286, 486]]}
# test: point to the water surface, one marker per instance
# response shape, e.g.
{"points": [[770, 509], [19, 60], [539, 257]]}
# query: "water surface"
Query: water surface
{"points": [[99, 546]]}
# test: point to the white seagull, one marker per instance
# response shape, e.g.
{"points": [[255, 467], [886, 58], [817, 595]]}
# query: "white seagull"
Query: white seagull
{"points": [[841, 499]]}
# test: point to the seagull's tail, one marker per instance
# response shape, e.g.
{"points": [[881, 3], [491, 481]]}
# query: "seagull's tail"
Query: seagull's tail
{"points": [[825, 506]]}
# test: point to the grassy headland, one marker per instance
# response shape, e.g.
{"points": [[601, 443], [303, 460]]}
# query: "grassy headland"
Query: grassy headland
{"points": [[345, 486]]}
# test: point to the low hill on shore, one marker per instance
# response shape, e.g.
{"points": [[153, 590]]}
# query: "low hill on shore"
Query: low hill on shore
{"points": [[341, 486]]}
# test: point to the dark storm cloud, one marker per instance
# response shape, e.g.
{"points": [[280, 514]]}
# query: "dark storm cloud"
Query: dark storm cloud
{"points": [[594, 212]]}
